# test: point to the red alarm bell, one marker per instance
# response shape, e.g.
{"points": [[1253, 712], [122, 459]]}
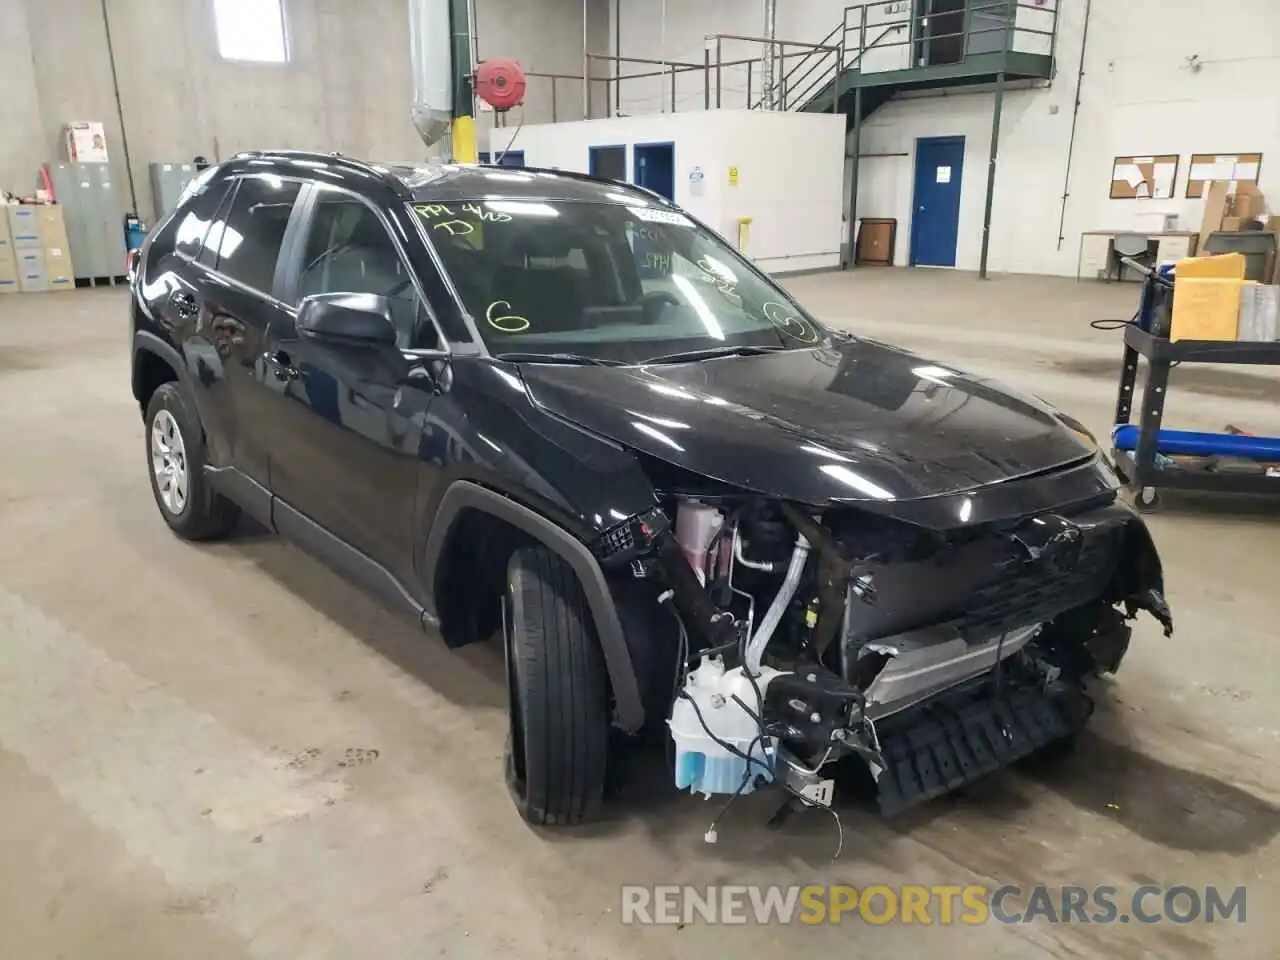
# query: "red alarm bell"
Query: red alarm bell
{"points": [[500, 82]]}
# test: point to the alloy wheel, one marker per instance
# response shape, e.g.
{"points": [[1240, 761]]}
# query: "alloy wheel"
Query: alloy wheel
{"points": [[169, 462]]}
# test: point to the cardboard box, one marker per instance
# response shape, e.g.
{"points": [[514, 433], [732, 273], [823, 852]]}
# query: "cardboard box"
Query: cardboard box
{"points": [[1249, 203], [1217, 205], [1223, 266], [24, 228], [1259, 312], [1232, 224], [86, 141], [1207, 308]]}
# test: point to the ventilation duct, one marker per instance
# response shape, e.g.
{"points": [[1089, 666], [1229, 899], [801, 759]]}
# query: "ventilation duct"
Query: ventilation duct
{"points": [[769, 65], [431, 60]]}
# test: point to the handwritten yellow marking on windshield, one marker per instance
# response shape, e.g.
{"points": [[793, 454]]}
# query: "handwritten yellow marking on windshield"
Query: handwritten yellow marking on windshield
{"points": [[720, 278], [432, 210], [793, 326], [455, 228], [486, 216], [505, 322]]}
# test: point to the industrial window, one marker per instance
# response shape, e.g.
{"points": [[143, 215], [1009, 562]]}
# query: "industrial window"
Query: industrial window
{"points": [[251, 30]]}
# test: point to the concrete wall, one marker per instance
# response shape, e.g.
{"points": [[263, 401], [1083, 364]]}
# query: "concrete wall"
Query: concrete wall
{"points": [[791, 193], [346, 87], [1139, 97]]}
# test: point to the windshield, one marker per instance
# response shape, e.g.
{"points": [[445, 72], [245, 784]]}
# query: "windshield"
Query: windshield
{"points": [[626, 283]]}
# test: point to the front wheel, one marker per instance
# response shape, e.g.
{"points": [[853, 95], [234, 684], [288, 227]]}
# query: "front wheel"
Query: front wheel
{"points": [[175, 458], [557, 746]]}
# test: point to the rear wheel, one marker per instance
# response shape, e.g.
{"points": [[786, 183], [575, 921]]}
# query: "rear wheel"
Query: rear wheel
{"points": [[557, 745], [175, 458]]}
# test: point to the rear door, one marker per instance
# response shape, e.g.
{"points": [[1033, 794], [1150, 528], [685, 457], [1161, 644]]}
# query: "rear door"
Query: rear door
{"points": [[348, 426], [239, 305], [171, 286]]}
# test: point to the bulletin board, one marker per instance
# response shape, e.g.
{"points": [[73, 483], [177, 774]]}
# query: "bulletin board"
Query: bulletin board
{"points": [[1144, 178], [1232, 167]]}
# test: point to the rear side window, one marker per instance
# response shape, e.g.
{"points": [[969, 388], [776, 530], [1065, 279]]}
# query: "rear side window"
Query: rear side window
{"points": [[193, 222], [248, 240]]}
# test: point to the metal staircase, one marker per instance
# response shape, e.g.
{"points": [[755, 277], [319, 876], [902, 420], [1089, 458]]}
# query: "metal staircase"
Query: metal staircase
{"points": [[929, 45]]}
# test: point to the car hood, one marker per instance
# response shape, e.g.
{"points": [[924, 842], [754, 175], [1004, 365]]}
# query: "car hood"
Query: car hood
{"points": [[855, 421]]}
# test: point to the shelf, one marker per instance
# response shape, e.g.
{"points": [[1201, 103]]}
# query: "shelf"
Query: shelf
{"points": [[1191, 478], [1159, 349]]}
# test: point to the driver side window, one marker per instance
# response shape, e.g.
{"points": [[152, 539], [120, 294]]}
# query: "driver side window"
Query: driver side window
{"points": [[348, 250]]}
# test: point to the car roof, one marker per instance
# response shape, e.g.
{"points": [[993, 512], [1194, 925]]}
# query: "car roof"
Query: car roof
{"points": [[469, 181], [435, 181]]}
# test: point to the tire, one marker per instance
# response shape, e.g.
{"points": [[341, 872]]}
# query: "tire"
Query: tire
{"points": [[175, 462], [556, 754]]}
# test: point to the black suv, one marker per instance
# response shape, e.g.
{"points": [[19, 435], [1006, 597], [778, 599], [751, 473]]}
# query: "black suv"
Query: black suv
{"points": [[559, 408]]}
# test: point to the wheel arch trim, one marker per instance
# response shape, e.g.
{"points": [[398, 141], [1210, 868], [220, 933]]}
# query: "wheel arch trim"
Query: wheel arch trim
{"points": [[146, 342], [464, 494]]}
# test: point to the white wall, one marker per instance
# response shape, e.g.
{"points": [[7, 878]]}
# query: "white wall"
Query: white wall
{"points": [[788, 168], [1138, 98]]}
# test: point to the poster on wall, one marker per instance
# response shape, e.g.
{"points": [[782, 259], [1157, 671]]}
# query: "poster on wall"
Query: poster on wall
{"points": [[1232, 167], [1144, 178]]}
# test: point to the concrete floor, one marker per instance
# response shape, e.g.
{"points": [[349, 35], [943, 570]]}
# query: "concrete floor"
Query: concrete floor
{"points": [[227, 752]]}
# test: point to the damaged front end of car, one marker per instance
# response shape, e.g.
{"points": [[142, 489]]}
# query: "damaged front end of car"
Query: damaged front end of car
{"points": [[932, 653]]}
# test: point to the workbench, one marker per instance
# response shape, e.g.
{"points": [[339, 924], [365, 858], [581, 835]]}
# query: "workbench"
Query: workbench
{"points": [[1144, 465]]}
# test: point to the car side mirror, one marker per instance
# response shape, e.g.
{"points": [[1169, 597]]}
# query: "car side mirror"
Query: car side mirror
{"points": [[359, 319]]}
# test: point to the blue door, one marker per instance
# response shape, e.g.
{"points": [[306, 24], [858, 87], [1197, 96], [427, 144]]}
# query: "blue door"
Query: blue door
{"points": [[935, 217], [655, 168]]}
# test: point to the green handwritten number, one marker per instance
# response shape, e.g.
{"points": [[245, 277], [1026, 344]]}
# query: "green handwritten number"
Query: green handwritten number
{"points": [[508, 322]]}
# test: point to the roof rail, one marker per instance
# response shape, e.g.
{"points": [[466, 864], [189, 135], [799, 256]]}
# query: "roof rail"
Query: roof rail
{"points": [[363, 166], [578, 175]]}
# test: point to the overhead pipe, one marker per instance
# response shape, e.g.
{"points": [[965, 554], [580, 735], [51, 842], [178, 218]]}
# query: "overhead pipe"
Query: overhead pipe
{"points": [[768, 60], [431, 60]]}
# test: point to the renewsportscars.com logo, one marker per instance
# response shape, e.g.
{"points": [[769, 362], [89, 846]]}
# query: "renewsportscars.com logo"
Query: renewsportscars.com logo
{"points": [[914, 904]]}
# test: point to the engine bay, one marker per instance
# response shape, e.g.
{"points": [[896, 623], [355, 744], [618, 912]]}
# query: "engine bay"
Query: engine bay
{"points": [[808, 637]]}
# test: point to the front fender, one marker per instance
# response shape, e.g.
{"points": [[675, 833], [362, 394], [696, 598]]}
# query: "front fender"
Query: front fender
{"points": [[463, 495]]}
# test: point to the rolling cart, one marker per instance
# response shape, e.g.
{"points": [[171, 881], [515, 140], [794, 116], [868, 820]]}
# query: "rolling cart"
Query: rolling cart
{"points": [[1149, 457]]}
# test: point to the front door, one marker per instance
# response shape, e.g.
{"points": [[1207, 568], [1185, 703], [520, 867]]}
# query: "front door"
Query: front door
{"points": [[935, 219], [345, 453]]}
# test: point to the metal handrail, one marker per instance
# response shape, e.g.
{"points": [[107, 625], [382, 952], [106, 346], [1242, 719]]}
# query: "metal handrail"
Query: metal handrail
{"points": [[843, 48], [853, 64]]}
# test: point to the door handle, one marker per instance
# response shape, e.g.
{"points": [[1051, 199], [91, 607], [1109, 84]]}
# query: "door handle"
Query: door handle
{"points": [[184, 305], [281, 366]]}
